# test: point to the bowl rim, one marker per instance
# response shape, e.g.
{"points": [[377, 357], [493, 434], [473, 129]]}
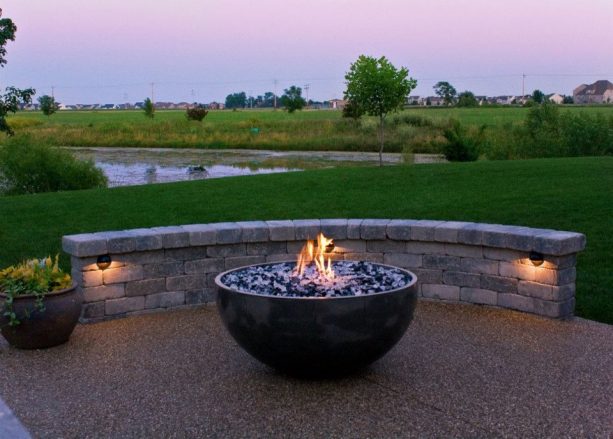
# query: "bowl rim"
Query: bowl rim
{"points": [[221, 285]]}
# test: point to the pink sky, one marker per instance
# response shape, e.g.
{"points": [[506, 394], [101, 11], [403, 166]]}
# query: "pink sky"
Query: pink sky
{"points": [[202, 50]]}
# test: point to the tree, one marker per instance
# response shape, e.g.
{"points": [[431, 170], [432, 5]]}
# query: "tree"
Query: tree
{"points": [[9, 102], [568, 100], [377, 87], [197, 112], [352, 110], [48, 105], [467, 99], [538, 96], [149, 108], [236, 100], [446, 91], [292, 99]]}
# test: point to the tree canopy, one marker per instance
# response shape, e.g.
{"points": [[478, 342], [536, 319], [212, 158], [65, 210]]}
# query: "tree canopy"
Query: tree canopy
{"points": [[445, 91], [467, 99], [7, 33], [48, 105], [292, 99], [378, 88], [236, 100]]}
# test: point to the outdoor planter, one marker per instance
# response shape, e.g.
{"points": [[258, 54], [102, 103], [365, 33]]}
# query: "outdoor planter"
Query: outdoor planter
{"points": [[45, 329]]}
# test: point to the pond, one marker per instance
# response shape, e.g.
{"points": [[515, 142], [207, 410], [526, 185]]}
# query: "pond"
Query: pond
{"points": [[134, 166]]}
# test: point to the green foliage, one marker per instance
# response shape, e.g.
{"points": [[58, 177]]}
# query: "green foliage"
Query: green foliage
{"points": [[467, 99], [463, 144], [26, 168], [197, 112], [48, 105], [378, 88], [292, 99], [352, 110], [34, 276], [446, 91], [236, 100], [149, 108], [538, 96], [7, 33], [568, 100], [411, 119]]}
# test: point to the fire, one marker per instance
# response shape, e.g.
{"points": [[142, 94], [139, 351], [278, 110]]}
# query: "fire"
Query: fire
{"points": [[316, 253]]}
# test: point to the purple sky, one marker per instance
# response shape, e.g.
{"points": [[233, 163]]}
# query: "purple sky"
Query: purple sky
{"points": [[108, 51]]}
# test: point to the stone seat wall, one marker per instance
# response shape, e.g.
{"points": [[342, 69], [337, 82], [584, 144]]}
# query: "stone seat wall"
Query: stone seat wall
{"points": [[171, 267]]}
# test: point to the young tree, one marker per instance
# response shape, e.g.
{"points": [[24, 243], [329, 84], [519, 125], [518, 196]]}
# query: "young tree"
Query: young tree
{"points": [[236, 100], [149, 108], [446, 91], [48, 105], [467, 99], [378, 88], [538, 96], [292, 99], [9, 102], [197, 112]]}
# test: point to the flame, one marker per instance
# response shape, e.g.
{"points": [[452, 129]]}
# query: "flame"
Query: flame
{"points": [[312, 253]]}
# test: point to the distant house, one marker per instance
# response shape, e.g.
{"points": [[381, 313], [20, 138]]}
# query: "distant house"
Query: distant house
{"points": [[556, 98], [337, 104], [415, 100], [216, 106], [600, 92], [108, 107], [435, 101]]}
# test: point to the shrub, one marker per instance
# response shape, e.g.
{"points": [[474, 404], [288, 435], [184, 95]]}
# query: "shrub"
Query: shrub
{"points": [[463, 144], [411, 119], [352, 110], [27, 168], [197, 112]]}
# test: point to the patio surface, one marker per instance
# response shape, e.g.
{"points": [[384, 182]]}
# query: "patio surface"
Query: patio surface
{"points": [[460, 370]]}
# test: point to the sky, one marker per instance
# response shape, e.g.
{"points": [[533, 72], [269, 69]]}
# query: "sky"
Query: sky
{"points": [[111, 51]]}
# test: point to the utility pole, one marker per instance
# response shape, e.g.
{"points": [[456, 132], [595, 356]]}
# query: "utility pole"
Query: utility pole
{"points": [[523, 84], [306, 90], [53, 91], [275, 105], [153, 92]]}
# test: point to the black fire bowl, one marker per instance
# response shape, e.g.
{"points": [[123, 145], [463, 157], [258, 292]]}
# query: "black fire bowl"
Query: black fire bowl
{"points": [[317, 337]]}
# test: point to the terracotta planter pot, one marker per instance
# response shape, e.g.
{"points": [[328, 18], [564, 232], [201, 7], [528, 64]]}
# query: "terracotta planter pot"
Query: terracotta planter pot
{"points": [[43, 329]]}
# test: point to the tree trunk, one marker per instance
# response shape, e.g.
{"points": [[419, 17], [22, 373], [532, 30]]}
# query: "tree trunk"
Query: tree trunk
{"points": [[381, 139]]}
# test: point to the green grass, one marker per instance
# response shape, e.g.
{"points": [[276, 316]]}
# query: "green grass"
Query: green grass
{"points": [[303, 130], [565, 194]]}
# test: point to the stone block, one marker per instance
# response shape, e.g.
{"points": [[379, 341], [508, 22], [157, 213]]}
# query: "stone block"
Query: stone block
{"points": [[163, 269], [143, 257], [185, 253], [228, 233], [425, 276], [471, 234], [266, 248], [173, 236], [386, 246], [517, 271], [478, 295], [203, 266], [441, 292], [515, 301], [353, 228], [534, 289], [464, 251], [186, 282], [124, 305], [86, 244], [201, 234], [254, 231], [146, 240], [144, 287], [283, 257], [91, 278], [563, 292], [500, 284], [555, 277], [400, 230], [334, 228], [374, 229], [511, 237], [122, 274], [557, 262], [241, 261], [559, 243], [482, 266], [306, 229], [502, 254], [120, 242], [281, 230], [448, 231], [104, 292], [83, 264], [94, 310], [167, 299], [402, 260], [295, 247], [442, 262], [424, 230], [461, 279], [537, 306], [203, 295], [224, 251], [209, 281], [370, 257], [350, 246], [425, 248]]}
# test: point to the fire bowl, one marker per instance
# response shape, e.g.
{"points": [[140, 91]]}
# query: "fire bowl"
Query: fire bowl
{"points": [[316, 336]]}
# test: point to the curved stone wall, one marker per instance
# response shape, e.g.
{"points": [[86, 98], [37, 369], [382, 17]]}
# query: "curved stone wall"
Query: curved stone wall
{"points": [[170, 267]]}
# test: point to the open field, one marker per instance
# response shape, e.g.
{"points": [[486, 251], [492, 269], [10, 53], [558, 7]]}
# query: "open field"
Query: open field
{"points": [[305, 130], [566, 194]]}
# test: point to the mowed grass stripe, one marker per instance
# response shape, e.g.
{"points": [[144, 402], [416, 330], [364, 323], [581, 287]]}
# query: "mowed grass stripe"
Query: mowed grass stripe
{"points": [[566, 194]]}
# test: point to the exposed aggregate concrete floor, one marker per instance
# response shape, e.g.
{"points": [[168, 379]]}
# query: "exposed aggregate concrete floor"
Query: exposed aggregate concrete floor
{"points": [[460, 371]]}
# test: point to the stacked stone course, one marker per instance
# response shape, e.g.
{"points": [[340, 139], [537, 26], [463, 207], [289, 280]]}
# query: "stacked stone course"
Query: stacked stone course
{"points": [[170, 267]]}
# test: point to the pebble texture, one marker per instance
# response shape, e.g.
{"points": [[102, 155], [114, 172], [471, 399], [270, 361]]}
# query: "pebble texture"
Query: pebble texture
{"points": [[454, 261], [459, 371]]}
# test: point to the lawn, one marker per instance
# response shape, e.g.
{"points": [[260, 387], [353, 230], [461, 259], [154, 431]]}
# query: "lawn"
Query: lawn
{"points": [[567, 194]]}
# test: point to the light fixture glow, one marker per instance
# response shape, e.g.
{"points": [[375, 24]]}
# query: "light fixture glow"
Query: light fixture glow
{"points": [[103, 262], [536, 258]]}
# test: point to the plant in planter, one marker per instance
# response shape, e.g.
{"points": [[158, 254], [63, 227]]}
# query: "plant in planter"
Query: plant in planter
{"points": [[39, 304]]}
